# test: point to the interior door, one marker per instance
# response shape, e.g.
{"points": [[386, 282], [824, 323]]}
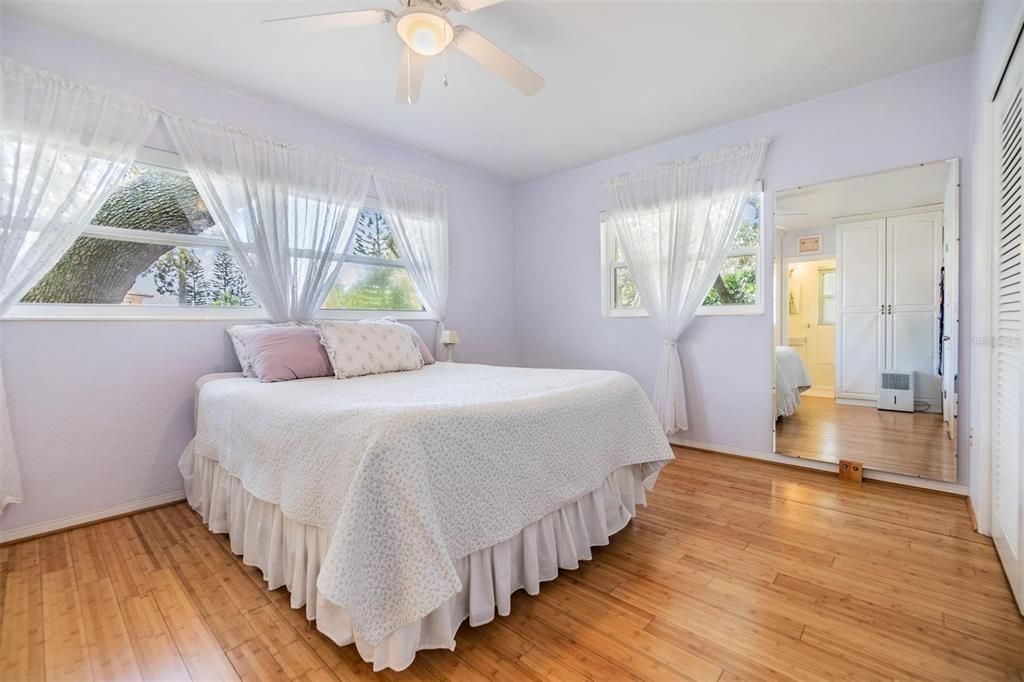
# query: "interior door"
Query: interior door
{"points": [[1008, 352], [860, 295], [913, 257]]}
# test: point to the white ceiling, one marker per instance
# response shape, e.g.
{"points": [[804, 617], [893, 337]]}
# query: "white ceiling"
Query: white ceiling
{"points": [[818, 205], [620, 75]]}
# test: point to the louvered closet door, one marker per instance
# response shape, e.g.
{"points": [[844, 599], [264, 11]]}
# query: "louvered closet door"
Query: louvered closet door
{"points": [[1007, 316]]}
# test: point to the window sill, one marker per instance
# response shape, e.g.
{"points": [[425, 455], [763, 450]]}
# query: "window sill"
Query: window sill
{"points": [[730, 310], [705, 311], [625, 312], [400, 315], [85, 312]]}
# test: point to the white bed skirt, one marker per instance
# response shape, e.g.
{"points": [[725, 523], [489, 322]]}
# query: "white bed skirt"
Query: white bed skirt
{"points": [[289, 554], [786, 402]]}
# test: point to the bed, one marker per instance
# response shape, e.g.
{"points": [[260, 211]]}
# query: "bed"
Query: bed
{"points": [[395, 506], [791, 379]]}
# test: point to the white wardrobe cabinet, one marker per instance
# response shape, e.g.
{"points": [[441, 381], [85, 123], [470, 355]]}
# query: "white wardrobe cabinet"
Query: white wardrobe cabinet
{"points": [[888, 304]]}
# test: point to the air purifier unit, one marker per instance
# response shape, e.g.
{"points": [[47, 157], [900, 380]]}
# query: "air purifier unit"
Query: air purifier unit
{"points": [[897, 391]]}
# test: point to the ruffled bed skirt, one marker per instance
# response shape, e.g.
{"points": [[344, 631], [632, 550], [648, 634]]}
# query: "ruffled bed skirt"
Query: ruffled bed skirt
{"points": [[290, 553], [786, 403]]}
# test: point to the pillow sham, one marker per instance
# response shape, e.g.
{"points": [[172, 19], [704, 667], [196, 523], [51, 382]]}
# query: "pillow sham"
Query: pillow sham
{"points": [[286, 353], [369, 347], [428, 357], [243, 355]]}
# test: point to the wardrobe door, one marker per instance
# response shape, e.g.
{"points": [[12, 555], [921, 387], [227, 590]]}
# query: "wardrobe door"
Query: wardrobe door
{"points": [[912, 301], [860, 296]]}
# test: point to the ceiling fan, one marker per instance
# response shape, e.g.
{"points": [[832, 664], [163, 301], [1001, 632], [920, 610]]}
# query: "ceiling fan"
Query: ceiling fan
{"points": [[426, 31]]}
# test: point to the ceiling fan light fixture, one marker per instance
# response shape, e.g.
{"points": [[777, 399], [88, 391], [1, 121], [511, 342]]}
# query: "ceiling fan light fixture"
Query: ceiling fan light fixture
{"points": [[424, 31]]}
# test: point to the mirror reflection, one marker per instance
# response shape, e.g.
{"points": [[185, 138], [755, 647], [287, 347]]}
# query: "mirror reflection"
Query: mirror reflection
{"points": [[866, 320]]}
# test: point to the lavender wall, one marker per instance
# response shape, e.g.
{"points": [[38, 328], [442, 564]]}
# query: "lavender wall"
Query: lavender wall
{"points": [[913, 117], [101, 410]]}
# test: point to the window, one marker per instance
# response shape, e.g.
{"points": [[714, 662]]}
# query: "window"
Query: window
{"points": [[373, 276], [153, 250], [151, 244], [736, 290], [827, 296]]}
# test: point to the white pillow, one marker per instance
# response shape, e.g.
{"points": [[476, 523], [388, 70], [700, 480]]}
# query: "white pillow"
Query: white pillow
{"points": [[244, 357], [369, 347]]}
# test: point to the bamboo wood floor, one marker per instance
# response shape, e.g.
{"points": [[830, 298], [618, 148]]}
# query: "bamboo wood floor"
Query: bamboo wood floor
{"points": [[738, 569], [913, 444]]}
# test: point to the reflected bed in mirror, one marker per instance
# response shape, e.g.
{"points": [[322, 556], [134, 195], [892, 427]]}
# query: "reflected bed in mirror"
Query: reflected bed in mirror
{"points": [[866, 320]]}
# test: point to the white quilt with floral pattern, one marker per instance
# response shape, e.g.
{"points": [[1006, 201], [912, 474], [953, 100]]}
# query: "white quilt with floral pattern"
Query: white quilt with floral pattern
{"points": [[413, 470]]}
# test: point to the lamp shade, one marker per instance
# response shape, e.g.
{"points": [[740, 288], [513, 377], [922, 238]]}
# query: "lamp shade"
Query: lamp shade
{"points": [[449, 337], [425, 31]]}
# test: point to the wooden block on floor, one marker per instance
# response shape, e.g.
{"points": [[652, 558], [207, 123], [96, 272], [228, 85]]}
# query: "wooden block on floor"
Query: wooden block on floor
{"points": [[851, 471]]}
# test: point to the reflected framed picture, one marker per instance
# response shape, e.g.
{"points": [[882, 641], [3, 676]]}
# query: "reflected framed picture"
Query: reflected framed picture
{"points": [[809, 244]]}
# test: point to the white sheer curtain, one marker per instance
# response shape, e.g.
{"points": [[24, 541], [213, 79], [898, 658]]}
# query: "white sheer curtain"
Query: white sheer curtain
{"points": [[674, 224], [286, 211], [64, 148], [417, 211]]}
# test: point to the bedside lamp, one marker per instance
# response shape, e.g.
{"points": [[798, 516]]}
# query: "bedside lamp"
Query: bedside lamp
{"points": [[449, 338]]}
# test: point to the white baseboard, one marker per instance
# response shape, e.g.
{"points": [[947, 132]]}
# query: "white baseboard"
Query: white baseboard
{"points": [[871, 474], [858, 402], [820, 392], [90, 517]]}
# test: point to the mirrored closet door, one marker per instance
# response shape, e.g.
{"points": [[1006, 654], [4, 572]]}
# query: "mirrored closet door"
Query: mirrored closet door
{"points": [[866, 321]]}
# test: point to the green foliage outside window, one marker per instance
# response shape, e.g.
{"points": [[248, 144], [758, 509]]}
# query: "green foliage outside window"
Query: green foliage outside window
{"points": [[736, 284], [365, 286]]}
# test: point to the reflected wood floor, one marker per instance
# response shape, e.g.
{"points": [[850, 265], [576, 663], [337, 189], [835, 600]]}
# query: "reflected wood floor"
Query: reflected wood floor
{"points": [[738, 569], [911, 443]]}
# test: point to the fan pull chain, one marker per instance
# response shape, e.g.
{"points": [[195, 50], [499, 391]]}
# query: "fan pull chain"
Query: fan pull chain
{"points": [[408, 76], [444, 56]]}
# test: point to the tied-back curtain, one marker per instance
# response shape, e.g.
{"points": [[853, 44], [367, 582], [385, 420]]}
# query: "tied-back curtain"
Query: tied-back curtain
{"points": [[417, 211], [674, 224], [287, 212], [64, 146]]}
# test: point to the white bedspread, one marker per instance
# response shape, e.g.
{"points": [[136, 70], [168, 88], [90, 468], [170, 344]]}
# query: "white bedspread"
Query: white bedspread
{"points": [[411, 471], [791, 379]]}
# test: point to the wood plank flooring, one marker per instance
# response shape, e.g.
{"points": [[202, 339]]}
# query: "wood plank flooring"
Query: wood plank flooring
{"points": [[914, 444], [738, 569]]}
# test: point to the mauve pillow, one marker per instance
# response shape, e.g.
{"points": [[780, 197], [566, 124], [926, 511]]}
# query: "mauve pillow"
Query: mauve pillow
{"points": [[285, 353], [243, 355]]}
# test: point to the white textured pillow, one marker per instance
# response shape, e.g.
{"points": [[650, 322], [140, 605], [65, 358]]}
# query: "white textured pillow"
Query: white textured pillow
{"points": [[365, 347], [244, 356]]}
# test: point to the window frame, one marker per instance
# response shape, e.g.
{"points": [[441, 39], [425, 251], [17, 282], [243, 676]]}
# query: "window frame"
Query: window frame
{"points": [[118, 311], [822, 297], [608, 267]]}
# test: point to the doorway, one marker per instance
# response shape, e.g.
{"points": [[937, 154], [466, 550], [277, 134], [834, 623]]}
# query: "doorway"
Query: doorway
{"points": [[811, 320]]}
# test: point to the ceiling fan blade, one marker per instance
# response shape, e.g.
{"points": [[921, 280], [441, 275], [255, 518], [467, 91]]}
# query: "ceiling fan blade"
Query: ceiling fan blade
{"points": [[410, 76], [465, 6], [333, 20], [497, 60]]}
